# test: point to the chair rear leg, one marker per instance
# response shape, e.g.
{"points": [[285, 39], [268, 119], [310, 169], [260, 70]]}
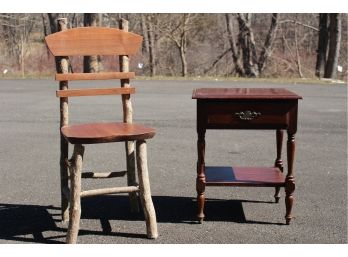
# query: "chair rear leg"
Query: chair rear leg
{"points": [[64, 179], [131, 177], [75, 204], [64, 186], [145, 192]]}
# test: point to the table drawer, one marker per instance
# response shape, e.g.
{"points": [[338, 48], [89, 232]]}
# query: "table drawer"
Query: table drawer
{"points": [[247, 115]]}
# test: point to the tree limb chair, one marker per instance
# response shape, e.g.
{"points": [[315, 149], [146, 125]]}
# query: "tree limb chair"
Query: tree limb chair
{"points": [[87, 41]]}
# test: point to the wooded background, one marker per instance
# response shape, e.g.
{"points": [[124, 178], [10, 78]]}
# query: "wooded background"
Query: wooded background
{"points": [[182, 45]]}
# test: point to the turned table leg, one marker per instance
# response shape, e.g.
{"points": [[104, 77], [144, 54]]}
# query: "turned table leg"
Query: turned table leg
{"points": [[278, 162], [290, 179], [200, 181]]}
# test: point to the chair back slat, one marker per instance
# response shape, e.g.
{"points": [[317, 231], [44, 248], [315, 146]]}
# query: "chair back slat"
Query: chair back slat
{"points": [[95, 76], [95, 91], [93, 41]]}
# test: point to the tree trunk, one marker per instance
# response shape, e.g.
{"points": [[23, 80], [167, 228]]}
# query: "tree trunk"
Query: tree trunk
{"points": [[183, 46], [235, 54], [267, 48], [183, 55], [298, 62], [247, 43], [91, 64], [152, 48], [44, 25], [322, 45], [45, 33], [52, 17], [334, 45], [146, 46], [22, 56]]}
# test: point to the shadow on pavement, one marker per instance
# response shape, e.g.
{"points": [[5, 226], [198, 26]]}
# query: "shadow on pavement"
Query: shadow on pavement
{"points": [[27, 223], [17, 221]]}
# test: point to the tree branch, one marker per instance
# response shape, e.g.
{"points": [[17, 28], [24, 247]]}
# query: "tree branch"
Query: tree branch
{"points": [[267, 47], [217, 60], [299, 23]]}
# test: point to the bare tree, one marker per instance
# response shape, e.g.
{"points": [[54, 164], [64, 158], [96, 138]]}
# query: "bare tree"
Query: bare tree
{"points": [[198, 44], [91, 63], [334, 45], [181, 29], [16, 31], [329, 41], [149, 49], [322, 44], [152, 45], [235, 52], [251, 65], [247, 44], [145, 30], [267, 47], [179, 36], [53, 17]]}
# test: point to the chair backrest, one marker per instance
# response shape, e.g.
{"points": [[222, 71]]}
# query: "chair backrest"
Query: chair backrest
{"points": [[87, 41], [93, 41]]}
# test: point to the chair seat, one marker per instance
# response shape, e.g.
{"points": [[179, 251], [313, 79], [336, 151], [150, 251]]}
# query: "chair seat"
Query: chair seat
{"points": [[94, 133]]}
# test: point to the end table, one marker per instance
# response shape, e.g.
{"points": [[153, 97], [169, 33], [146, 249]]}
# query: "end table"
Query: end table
{"points": [[247, 108]]}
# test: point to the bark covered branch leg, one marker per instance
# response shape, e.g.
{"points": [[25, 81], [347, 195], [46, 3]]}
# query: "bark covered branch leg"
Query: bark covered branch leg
{"points": [[75, 193], [128, 118], [145, 191]]}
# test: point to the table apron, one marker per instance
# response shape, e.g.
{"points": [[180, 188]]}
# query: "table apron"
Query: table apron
{"points": [[245, 114]]}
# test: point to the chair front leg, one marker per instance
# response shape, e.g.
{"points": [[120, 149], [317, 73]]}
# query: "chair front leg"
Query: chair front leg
{"points": [[145, 192], [131, 177], [75, 193]]}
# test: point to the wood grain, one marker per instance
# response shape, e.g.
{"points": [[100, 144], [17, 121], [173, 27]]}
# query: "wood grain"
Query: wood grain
{"points": [[222, 114], [111, 190], [247, 108], [93, 133], [95, 91], [244, 176], [244, 93], [95, 76], [93, 41]]}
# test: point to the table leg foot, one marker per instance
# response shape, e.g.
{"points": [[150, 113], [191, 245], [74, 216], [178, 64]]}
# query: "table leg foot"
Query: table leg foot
{"points": [[200, 203], [277, 194]]}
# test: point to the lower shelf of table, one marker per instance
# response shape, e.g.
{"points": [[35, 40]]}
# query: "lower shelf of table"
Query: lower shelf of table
{"points": [[243, 176]]}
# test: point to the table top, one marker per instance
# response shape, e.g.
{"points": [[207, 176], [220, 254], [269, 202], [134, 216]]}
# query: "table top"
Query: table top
{"points": [[244, 93]]}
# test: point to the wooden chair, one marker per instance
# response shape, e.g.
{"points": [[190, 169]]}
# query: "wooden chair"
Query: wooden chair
{"points": [[87, 41]]}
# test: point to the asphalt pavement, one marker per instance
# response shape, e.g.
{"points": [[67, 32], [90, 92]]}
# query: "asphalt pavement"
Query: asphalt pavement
{"points": [[29, 168]]}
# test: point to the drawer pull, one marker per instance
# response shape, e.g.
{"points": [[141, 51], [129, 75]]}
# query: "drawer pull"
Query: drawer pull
{"points": [[247, 115]]}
